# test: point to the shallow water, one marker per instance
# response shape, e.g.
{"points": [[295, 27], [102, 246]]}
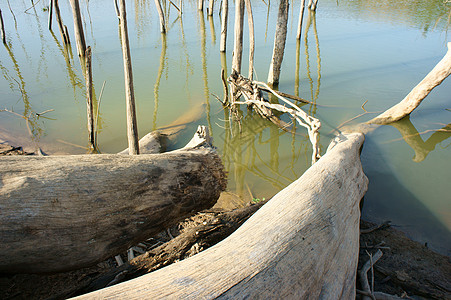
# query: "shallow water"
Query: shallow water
{"points": [[350, 52]]}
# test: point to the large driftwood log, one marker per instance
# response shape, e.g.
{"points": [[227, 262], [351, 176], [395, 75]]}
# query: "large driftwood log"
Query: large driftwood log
{"points": [[414, 98], [304, 242], [66, 212]]}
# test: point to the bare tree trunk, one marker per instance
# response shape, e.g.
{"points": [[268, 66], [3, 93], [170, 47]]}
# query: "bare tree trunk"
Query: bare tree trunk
{"points": [[200, 5], [2, 28], [418, 93], [301, 18], [224, 20], [238, 37], [59, 20], [314, 5], [78, 28], [161, 15], [279, 43], [250, 20], [90, 114], [50, 14], [132, 127], [211, 4]]}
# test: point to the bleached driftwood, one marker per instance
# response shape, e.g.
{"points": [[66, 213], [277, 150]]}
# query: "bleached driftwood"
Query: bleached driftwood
{"points": [[66, 212], [418, 93], [302, 244]]}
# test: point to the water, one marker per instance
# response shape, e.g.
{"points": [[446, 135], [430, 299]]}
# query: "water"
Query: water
{"points": [[352, 52]]}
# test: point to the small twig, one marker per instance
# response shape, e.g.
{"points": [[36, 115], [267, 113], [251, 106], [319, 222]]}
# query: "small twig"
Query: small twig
{"points": [[44, 112], [363, 273], [169, 233], [97, 113], [34, 4], [180, 12]]}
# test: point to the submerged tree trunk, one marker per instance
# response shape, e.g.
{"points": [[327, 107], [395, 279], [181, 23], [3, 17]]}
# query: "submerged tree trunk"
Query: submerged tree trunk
{"points": [[279, 43], [132, 127], [67, 212], [224, 20], [238, 36], [304, 241], [78, 28]]}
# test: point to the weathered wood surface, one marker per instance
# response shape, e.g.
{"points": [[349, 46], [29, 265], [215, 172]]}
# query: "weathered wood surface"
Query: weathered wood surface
{"points": [[238, 36], [418, 93], [66, 212], [302, 244]]}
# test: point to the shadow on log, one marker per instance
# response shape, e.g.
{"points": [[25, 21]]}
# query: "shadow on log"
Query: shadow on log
{"points": [[304, 241], [67, 212]]}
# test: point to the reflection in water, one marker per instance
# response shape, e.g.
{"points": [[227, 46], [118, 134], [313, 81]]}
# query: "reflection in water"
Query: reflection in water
{"points": [[29, 115], [189, 69], [204, 66], [311, 20], [157, 83], [413, 138], [212, 30], [296, 75]]}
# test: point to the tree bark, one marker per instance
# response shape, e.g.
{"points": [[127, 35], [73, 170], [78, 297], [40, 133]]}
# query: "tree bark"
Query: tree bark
{"points": [[418, 93], [304, 241], [279, 43], [78, 28], [89, 100], [67, 212], [132, 126]]}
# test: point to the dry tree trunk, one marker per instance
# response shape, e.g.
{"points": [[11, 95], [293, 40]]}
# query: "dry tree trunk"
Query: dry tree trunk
{"points": [[224, 20], [89, 104], [279, 43], [304, 241], [161, 16], [59, 20], [200, 5], [2, 28], [238, 36], [78, 28], [211, 4], [67, 212], [50, 14], [250, 20], [301, 18], [418, 93], [132, 127]]}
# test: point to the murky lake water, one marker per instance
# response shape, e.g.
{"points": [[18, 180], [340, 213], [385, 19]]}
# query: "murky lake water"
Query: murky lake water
{"points": [[352, 52]]}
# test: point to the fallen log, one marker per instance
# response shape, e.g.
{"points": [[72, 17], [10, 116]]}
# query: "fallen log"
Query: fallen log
{"points": [[303, 243], [66, 212]]}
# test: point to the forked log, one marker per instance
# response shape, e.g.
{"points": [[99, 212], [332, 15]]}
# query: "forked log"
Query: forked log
{"points": [[302, 244], [66, 212], [418, 93]]}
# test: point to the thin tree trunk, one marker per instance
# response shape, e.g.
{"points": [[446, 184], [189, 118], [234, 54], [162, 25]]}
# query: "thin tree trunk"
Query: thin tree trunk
{"points": [[301, 19], [250, 20], [224, 20], [78, 28], [117, 9], [132, 127], [90, 114], [211, 3], [2, 28], [59, 20], [50, 14], [161, 15], [200, 5], [238, 37], [279, 43]]}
